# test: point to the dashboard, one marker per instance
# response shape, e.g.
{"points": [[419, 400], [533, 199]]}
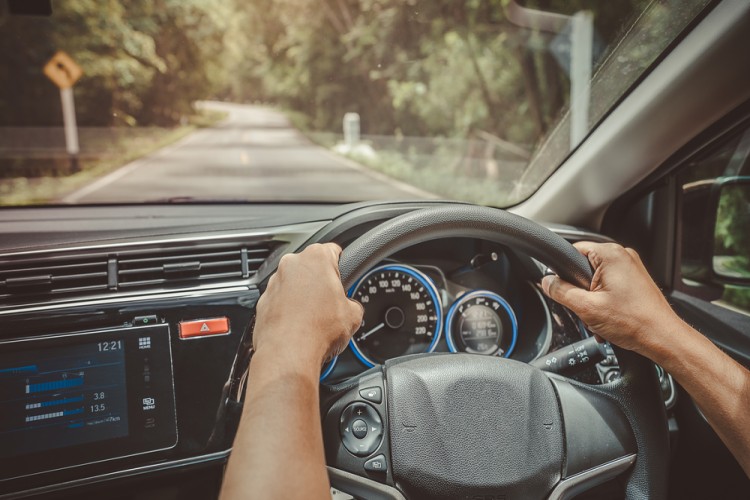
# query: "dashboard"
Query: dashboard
{"points": [[126, 331]]}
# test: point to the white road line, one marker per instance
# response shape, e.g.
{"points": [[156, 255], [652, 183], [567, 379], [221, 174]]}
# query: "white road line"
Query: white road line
{"points": [[126, 169], [408, 188], [98, 184]]}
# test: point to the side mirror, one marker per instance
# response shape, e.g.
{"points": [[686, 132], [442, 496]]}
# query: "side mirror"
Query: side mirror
{"points": [[730, 258]]}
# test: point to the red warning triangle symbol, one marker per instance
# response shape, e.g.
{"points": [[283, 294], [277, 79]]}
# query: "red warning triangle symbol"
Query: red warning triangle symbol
{"points": [[204, 327]]}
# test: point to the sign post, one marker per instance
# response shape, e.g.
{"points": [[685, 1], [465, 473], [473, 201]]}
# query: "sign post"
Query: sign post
{"points": [[64, 72]]}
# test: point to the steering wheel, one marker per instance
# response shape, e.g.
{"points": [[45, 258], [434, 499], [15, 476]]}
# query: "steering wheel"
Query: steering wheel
{"points": [[464, 426]]}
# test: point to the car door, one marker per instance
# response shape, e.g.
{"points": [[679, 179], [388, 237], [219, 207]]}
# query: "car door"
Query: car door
{"points": [[680, 220]]}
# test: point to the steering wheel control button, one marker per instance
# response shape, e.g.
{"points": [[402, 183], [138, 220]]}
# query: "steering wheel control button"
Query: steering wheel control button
{"points": [[361, 429], [376, 464], [204, 327], [373, 394]]}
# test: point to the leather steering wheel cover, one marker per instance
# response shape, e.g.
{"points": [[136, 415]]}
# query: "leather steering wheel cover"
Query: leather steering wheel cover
{"points": [[636, 392], [463, 221]]}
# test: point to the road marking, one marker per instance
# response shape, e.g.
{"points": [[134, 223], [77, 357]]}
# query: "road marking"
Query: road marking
{"points": [[380, 177], [86, 190], [221, 136]]}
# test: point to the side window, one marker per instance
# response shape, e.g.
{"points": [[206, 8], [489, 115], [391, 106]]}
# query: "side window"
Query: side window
{"points": [[715, 224]]}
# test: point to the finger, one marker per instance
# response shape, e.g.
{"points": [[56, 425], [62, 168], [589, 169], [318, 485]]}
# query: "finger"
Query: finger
{"points": [[590, 250], [634, 255], [334, 248], [585, 247], [336, 256], [563, 292], [359, 307], [358, 311]]}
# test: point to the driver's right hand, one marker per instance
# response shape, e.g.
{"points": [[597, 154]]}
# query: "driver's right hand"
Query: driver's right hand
{"points": [[623, 305]]}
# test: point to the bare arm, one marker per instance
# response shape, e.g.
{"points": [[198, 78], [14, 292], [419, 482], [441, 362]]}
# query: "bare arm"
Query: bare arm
{"points": [[626, 307], [302, 319]]}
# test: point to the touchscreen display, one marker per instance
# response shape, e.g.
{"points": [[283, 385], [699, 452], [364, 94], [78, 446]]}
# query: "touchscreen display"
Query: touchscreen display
{"points": [[81, 398], [64, 396]]}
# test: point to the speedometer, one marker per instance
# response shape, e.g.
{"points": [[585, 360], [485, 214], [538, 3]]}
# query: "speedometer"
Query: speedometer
{"points": [[402, 315]]}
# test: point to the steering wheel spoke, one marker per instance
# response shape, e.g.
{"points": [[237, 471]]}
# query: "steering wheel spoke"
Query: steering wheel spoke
{"points": [[355, 433], [599, 440]]}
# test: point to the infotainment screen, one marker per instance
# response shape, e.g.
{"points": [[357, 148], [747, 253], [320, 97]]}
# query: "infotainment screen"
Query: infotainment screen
{"points": [[92, 396]]}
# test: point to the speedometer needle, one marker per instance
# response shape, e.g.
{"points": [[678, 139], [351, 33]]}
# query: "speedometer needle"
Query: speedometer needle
{"points": [[367, 334]]}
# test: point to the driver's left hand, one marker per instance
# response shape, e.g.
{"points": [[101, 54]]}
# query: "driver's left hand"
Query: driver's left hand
{"points": [[305, 307]]}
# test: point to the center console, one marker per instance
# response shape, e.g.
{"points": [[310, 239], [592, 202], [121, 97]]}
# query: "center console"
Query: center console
{"points": [[95, 392]]}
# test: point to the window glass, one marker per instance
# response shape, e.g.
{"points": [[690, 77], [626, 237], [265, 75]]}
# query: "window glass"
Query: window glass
{"points": [[313, 100]]}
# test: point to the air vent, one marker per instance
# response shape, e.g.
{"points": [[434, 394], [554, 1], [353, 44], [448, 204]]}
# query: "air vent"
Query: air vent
{"points": [[33, 278], [179, 267]]}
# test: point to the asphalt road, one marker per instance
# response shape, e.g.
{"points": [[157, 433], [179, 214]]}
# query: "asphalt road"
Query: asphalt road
{"points": [[256, 155]]}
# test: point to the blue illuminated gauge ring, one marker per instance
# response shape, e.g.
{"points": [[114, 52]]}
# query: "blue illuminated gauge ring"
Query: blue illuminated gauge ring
{"points": [[328, 368], [471, 296], [423, 280]]}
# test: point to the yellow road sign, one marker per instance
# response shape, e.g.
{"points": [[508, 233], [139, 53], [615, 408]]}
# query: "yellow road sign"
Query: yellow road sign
{"points": [[62, 70]]}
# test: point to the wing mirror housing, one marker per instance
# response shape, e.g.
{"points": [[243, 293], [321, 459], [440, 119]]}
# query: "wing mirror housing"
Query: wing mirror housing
{"points": [[716, 231], [730, 258]]}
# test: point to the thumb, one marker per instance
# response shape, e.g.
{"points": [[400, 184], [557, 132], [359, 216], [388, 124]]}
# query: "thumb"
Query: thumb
{"points": [[564, 293]]}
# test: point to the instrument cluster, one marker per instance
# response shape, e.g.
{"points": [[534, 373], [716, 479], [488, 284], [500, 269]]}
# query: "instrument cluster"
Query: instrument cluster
{"points": [[448, 296]]}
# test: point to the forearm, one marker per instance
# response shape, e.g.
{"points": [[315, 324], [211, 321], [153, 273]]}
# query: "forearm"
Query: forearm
{"points": [[718, 385], [278, 450]]}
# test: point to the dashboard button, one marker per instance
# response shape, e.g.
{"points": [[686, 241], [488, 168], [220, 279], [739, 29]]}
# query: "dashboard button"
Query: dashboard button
{"points": [[376, 464], [359, 428], [151, 319], [374, 394], [204, 327]]}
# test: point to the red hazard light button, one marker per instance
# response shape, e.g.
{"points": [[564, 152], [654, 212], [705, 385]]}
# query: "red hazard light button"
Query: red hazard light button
{"points": [[203, 327]]}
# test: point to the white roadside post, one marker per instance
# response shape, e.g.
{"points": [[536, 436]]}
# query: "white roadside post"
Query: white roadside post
{"points": [[351, 130], [64, 73]]}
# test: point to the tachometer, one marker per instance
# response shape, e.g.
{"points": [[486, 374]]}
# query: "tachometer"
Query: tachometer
{"points": [[402, 316], [481, 322]]}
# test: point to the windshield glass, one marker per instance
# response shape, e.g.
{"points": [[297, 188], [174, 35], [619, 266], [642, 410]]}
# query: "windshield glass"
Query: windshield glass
{"points": [[312, 100]]}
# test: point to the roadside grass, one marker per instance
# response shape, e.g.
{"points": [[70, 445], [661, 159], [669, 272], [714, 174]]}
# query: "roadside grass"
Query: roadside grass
{"points": [[36, 181], [437, 165]]}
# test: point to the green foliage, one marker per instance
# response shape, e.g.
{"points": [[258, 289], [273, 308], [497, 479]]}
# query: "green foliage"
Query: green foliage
{"points": [[738, 297], [732, 232], [423, 67], [144, 63]]}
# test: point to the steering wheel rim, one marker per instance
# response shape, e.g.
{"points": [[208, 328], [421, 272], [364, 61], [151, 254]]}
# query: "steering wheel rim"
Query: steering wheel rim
{"points": [[636, 392]]}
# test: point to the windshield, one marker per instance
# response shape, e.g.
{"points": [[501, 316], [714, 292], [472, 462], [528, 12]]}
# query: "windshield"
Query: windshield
{"points": [[312, 100]]}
